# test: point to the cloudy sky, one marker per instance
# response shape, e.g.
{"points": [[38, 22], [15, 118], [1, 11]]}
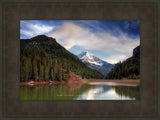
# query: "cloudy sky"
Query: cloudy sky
{"points": [[110, 40]]}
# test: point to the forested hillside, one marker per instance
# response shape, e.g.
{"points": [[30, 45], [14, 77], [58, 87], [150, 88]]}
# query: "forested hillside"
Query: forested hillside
{"points": [[43, 59], [129, 68]]}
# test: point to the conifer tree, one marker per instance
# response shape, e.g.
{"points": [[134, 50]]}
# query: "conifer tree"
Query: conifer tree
{"points": [[46, 75], [41, 73], [60, 72], [35, 70]]}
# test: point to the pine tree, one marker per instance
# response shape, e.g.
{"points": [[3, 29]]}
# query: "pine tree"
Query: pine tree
{"points": [[41, 73], [35, 70], [63, 75], [68, 68], [60, 72], [52, 74], [46, 75], [30, 67]]}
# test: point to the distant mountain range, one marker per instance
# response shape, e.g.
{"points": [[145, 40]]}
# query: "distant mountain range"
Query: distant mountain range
{"points": [[43, 58], [96, 63]]}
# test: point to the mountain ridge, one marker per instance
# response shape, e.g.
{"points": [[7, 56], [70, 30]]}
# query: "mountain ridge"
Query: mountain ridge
{"points": [[130, 68], [42, 57], [95, 63]]}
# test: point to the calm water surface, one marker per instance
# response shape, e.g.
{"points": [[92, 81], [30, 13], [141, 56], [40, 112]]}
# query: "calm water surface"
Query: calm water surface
{"points": [[89, 91]]}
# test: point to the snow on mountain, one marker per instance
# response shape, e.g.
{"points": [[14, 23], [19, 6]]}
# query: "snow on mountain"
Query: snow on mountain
{"points": [[95, 63], [90, 58]]}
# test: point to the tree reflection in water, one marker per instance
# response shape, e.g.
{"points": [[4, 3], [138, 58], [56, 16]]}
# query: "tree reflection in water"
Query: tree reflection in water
{"points": [[128, 91], [96, 91]]}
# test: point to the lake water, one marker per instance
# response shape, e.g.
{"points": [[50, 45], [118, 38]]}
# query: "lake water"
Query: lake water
{"points": [[89, 91]]}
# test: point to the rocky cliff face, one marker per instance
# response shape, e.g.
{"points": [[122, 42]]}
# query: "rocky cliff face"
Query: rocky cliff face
{"points": [[136, 52]]}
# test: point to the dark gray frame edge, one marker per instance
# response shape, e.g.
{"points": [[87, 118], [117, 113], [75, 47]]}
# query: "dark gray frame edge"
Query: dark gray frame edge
{"points": [[97, 118]]}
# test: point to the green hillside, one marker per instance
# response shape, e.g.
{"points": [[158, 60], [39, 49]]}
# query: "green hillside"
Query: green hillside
{"points": [[129, 68], [42, 58]]}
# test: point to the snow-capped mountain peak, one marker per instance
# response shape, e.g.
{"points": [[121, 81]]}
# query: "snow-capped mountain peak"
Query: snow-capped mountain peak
{"points": [[89, 55], [95, 63], [90, 58]]}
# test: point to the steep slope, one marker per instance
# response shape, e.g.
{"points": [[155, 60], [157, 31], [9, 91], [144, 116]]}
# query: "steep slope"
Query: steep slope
{"points": [[48, 44], [95, 63], [90, 58], [42, 58], [129, 68]]}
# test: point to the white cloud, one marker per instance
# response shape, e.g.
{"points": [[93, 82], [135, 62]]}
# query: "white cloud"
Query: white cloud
{"points": [[69, 34], [27, 33], [40, 29], [32, 29], [116, 58], [121, 47]]}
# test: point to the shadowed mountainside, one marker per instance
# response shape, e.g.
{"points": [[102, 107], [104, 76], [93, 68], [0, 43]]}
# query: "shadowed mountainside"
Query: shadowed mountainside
{"points": [[43, 58], [129, 68]]}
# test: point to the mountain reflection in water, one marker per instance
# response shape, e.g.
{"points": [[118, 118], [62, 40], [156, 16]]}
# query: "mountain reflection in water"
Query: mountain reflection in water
{"points": [[89, 91], [111, 91]]}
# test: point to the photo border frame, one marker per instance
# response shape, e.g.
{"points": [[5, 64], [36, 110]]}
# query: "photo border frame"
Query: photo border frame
{"points": [[12, 12]]}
